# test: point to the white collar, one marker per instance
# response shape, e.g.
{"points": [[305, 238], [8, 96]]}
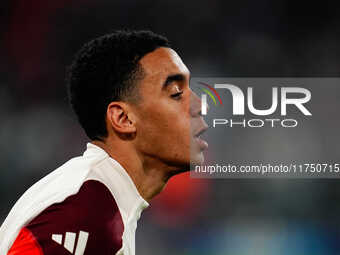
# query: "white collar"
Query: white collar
{"points": [[120, 183]]}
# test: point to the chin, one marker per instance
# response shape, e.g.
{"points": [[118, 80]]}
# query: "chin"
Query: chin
{"points": [[197, 159]]}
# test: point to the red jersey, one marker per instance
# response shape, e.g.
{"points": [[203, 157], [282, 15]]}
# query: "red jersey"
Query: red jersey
{"points": [[89, 205]]}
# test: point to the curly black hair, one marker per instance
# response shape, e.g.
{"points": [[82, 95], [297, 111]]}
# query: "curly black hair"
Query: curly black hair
{"points": [[107, 69]]}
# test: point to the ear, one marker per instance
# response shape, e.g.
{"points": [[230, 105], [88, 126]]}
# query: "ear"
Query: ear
{"points": [[117, 116]]}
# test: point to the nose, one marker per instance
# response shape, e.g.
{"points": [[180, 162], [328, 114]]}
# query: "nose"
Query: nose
{"points": [[195, 104]]}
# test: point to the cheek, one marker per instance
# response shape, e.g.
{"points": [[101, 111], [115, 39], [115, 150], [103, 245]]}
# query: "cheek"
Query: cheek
{"points": [[173, 126], [178, 129], [163, 128]]}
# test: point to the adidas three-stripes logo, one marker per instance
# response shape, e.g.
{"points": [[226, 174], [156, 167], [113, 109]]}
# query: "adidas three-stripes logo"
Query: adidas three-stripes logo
{"points": [[70, 239]]}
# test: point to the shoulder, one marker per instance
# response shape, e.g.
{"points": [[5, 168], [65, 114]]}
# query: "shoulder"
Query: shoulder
{"points": [[92, 213]]}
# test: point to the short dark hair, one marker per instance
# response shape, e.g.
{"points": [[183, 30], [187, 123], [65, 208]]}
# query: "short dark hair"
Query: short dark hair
{"points": [[107, 69]]}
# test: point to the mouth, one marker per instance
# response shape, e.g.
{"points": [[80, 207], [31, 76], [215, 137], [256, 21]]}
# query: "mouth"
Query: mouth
{"points": [[202, 143]]}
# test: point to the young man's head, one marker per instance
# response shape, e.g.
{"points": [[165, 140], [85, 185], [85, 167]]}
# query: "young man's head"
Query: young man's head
{"points": [[131, 88]]}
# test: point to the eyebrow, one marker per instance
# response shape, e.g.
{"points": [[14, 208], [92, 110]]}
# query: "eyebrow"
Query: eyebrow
{"points": [[172, 78]]}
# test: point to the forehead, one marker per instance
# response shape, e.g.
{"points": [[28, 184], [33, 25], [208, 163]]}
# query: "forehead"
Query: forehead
{"points": [[163, 62]]}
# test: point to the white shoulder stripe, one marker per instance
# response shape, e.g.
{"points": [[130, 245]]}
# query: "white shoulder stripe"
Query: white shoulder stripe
{"points": [[82, 240], [57, 238], [69, 241]]}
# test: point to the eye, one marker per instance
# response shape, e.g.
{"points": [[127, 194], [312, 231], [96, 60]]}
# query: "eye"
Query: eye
{"points": [[178, 95], [176, 92]]}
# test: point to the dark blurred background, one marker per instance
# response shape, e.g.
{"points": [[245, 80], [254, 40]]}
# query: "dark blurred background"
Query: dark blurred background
{"points": [[38, 131]]}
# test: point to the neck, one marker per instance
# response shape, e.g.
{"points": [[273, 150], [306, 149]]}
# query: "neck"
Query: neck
{"points": [[148, 174]]}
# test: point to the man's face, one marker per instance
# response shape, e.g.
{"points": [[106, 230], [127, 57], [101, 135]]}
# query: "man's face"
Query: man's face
{"points": [[168, 115]]}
